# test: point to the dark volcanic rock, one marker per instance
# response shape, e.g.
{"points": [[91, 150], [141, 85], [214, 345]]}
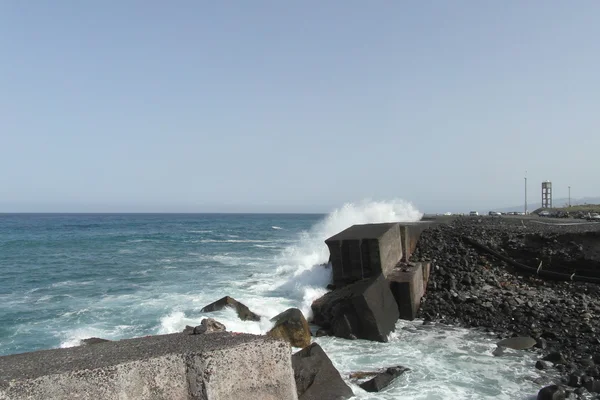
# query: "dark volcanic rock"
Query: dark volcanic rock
{"points": [[316, 377], [383, 379], [517, 343], [93, 340], [207, 325], [552, 392], [292, 327], [541, 364], [364, 310], [562, 316], [243, 312]]}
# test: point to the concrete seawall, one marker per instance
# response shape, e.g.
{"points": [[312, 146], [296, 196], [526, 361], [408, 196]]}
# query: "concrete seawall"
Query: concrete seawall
{"points": [[218, 366]]}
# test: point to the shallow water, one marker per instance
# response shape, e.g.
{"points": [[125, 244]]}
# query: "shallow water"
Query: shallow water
{"points": [[64, 278]]}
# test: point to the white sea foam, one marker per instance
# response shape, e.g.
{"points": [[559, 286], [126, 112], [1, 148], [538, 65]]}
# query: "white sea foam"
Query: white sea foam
{"points": [[74, 337], [278, 228], [445, 363]]}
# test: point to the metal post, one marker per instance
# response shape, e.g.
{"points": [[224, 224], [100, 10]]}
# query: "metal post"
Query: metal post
{"points": [[569, 196], [525, 192]]}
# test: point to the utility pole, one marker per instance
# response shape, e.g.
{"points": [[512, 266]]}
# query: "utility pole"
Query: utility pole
{"points": [[569, 196], [525, 192]]}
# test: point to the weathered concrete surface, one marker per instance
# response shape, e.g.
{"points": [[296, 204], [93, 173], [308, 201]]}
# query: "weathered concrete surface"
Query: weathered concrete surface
{"points": [[410, 233], [406, 284], [175, 367], [363, 251]]}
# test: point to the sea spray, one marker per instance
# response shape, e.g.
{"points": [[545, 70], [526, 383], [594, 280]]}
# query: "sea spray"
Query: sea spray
{"points": [[302, 266]]}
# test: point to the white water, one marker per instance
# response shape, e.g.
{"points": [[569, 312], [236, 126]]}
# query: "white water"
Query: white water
{"points": [[446, 363]]}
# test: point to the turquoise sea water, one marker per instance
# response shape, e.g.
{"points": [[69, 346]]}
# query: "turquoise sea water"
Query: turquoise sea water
{"points": [[64, 278]]}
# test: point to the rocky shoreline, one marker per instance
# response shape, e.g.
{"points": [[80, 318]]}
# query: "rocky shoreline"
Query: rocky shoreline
{"points": [[472, 288]]}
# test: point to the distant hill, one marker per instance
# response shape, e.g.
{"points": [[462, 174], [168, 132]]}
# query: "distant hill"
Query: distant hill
{"points": [[557, 203]]}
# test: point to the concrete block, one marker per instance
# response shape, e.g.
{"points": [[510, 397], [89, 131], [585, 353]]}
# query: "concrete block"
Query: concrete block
{"points": [[219, 366], [410, 233], [364, 251], [406, 284], [426, 266], [364, 310]]}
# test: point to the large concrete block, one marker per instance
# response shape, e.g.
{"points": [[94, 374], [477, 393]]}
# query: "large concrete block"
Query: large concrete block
{"points": [[219, 366], [410, 233], [406, 283], [364, 310], [364, 251]]}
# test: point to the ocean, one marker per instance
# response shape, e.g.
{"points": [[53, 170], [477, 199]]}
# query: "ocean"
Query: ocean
{"points": [[67, 277]]}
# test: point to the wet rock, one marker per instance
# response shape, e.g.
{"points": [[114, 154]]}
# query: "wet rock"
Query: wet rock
{"points": [[541, 365], [592, 385], [243, 312], [575, 380], [93, 340], [499, 351], [383, 379], [207, 325], [292, 327], [541, 343], [322, 332], [552, 392], [316, 377], [365, 310], [555, 357], [517, 343]]}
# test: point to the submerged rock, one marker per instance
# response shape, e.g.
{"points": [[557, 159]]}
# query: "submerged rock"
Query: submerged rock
{"points": [[541, 364], [364, 310], [93, 340], [243, 312], [383, 379], [518, 343], [552, 392], [316, 377], [292, 327]]}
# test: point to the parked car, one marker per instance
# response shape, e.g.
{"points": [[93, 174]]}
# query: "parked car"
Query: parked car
{"points": [[593, 217], [473, 214], [494, 214], [544, 213]]}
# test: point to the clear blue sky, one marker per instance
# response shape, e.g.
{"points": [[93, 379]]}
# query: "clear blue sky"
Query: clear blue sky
{"points": [[295, 106]]}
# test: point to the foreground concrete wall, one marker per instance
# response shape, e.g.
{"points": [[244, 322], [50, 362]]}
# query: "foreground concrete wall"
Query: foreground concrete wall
{"points": [[218, 366]]}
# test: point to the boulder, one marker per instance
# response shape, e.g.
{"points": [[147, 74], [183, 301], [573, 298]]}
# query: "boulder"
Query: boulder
{"points": [[292, 327], [552, 392], [518, 343], [541, 365], [93, 340], [383, 379], [207, 325], [243, 312], [364, 310], [316, 377], [555, 357]]}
